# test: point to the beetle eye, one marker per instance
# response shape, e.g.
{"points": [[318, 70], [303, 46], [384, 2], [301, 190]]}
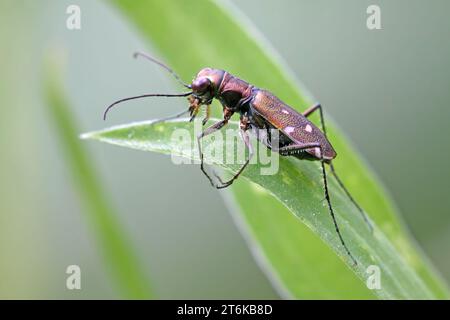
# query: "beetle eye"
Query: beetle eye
{"points": [[201, 85]]}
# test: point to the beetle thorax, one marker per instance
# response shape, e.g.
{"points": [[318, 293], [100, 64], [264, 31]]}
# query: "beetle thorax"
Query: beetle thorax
{"points": [[234, 92]]}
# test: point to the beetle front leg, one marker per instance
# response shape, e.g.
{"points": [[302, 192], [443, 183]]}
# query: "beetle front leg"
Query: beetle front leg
{"points": [[215, 127], [245, 137], [207, 114], [175, 116], [194, 107]]}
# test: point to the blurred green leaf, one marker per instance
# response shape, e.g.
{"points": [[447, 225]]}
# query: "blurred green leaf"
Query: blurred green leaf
{"points": [[192, 35], [118, 252]]}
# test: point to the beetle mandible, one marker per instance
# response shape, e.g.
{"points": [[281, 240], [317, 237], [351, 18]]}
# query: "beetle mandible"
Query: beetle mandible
{"points": [[261, 110]]}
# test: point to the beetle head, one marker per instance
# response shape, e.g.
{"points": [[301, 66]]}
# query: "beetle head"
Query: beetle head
{"points": [[206, 84]]}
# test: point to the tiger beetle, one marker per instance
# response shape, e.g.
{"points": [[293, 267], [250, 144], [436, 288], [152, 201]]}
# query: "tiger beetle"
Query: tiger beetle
{"points": [[261, 110]]}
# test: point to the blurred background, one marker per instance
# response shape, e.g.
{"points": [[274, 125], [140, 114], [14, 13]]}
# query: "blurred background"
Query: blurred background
{"points": [[388, 90]]}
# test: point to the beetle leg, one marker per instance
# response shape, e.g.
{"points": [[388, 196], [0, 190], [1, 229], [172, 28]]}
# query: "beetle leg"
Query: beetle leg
{"points": [[194, 113], [207, 114], [175, 116], [308, 112], [311, 110], [245, 137], [327, 196], [194, 107], [341, 184], [295, 148], [291, 150], [215, 127]]}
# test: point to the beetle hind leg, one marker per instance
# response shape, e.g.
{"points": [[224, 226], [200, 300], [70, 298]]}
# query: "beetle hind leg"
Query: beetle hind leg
{"points": [[361, 211], [307, 113], [294, 149]]}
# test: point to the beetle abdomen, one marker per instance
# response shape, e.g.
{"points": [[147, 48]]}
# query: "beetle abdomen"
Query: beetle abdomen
{"points": [[291, 123]]}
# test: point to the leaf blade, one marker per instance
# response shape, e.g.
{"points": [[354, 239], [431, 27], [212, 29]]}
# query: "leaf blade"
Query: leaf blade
{"points": [[300, 195]]}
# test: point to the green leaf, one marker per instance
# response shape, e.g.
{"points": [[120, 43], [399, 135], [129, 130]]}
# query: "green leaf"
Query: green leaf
{"points": [[117, 251], [297, 185], [192, 35]]}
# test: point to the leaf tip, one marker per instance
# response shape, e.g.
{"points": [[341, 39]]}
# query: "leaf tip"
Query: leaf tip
{"points": [[86, 136]]}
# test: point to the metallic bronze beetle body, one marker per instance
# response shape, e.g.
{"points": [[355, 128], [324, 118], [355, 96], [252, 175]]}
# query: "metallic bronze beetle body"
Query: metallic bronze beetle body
{"points": [[260, 110]]}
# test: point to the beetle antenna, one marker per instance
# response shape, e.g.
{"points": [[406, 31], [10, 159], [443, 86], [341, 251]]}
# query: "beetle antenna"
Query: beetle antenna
{"points": [[146, 56], [144, 96]]}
